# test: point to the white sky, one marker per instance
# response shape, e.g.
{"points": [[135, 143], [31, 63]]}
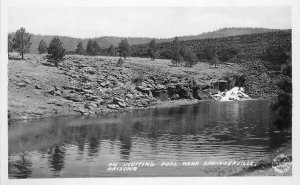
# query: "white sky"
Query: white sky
{"points": [[158, 22]]}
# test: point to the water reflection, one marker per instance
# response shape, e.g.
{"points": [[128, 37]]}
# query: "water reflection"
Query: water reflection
{"points": [[20, 165], [56, 159], [209, 130]]}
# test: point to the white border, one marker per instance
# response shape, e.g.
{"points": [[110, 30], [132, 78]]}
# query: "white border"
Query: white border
{"points": [[295, 4]]}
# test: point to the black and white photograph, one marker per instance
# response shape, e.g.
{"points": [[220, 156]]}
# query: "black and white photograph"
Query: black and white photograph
{"points": [[108, 92]]}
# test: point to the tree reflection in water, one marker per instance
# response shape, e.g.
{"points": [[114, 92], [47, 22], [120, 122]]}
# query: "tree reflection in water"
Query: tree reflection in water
{"points": [[125, 139], [20, 168], [56, 160]]}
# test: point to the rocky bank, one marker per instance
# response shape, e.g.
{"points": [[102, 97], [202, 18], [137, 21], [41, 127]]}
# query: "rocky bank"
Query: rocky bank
{"points": [[83, 85]]}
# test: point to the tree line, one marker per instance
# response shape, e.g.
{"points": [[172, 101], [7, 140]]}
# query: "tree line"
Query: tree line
{"points": [[179, 53], [20, 42]]}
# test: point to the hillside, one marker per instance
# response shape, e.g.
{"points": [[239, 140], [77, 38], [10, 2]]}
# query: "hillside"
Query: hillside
{"points": [[70, 43], [232, 49]]}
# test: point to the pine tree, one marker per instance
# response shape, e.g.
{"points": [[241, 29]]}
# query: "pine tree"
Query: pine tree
{"points": [[96, 48], [42, 47], [90, 48], [176, 56], [191, 58], [9, 44], [79, 49], [124, 48], [152, 50], [56, 51], [215, 60], [111, 50], [283, 105], [21, 41]]}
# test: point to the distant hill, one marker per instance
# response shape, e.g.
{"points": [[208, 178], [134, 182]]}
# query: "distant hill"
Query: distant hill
{"points": [[70, 43], [236, 47]]}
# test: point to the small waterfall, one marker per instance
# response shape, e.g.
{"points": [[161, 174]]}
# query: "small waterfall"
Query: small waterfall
{"points": [[236, 93]]}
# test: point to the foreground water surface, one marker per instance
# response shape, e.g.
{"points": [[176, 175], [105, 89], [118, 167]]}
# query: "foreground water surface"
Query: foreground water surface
{"points": [[84, 147]]}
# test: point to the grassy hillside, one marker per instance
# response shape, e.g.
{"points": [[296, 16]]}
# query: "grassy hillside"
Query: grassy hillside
{"points": [[70, 43], [239, 47]]}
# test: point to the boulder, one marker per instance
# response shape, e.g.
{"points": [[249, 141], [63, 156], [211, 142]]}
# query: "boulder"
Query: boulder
{"points": [[55, 102], [90, 97], [112, 106], [37, 86], [21, 84], [88, 91], [73, 97], [129, 96], [27, 81], [160, 87], [116, 100], [103, 84], [122, 104]]}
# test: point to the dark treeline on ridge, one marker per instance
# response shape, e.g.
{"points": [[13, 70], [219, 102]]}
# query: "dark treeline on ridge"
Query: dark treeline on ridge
{"points": [[70, 43]]}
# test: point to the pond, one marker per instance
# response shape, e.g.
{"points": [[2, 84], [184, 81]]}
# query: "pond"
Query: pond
{"points": [[167, 138]]}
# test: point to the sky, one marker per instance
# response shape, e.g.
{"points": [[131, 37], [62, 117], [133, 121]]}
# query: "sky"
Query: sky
{"points": [[154, 22]]}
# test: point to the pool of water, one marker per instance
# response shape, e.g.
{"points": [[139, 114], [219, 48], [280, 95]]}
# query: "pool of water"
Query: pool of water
{"points": [[84, 147]]}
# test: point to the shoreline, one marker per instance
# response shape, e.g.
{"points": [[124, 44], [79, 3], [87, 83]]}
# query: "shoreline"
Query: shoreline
{"points": [[163, 104], [264, 165]]}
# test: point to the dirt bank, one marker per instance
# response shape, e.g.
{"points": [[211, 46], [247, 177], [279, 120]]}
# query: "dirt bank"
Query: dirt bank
{"points": [[84, 85]]}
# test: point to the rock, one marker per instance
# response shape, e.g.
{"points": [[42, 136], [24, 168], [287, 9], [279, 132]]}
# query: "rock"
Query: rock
{"points": [[82, 111], [119, 90], [112, 106], [122, 104], [57, 88], [145, 102], [100, 102], [90, 97], [175, 97], [91, 71], [21, 84], [58, 93], [50, 91], [204, 94], [116, 99], [103, 84], [129, 96], [56, 102], [88, 91], [72, 88], [73, 97], [160, 87], [27, 81], [37, 86]]}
